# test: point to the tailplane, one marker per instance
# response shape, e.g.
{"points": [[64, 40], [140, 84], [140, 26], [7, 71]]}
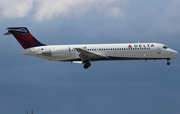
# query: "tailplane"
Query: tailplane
{"points": [[24, 37]]}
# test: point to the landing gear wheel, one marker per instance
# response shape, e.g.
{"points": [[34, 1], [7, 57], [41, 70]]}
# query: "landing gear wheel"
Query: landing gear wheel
{"points": [[168, 63], [87, 65]]}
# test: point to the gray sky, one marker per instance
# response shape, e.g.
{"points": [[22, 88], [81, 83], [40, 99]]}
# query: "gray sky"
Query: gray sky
{"points": [[125, 87]]}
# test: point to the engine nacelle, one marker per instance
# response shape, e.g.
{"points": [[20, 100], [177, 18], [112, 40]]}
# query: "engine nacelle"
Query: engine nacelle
{"points": [[56, 52], [60, 52]]}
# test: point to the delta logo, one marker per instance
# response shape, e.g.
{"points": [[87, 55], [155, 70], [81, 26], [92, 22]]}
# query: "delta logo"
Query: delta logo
{"points": [[141, 45], [129, 46]]}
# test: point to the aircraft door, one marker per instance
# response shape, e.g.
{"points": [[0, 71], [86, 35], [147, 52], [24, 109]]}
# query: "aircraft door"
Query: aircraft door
{"points": [[158, 51]]}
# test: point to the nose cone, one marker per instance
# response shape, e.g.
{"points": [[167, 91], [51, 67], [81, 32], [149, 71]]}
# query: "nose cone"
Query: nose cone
{"points": [[175, 53]]}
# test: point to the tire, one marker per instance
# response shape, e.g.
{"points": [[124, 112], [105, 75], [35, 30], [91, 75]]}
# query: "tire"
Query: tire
{"points": [[168, 63]]}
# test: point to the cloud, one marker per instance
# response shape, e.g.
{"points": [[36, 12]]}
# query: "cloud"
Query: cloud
{"points": [[15, 8], [172, 10], [115, 12], [169, 23], [47, 9]]}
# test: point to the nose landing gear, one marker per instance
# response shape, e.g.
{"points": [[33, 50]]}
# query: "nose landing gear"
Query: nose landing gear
{"points": [[168, 63]]}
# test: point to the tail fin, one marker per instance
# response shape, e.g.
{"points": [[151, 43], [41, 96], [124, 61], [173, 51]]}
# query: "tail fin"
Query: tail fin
{"points": [[24, 37]]}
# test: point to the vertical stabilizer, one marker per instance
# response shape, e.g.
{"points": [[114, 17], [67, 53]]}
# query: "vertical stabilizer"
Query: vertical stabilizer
{"points": [[24, 37]]}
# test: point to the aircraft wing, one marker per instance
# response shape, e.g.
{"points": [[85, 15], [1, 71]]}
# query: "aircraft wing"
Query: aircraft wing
{"points": [[86, 55]]}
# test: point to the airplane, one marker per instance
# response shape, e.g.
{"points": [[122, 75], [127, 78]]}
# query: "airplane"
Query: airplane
{"points": [[87, 53]]}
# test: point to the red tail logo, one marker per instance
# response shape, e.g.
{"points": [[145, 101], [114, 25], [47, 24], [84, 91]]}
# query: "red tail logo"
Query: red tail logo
{"points": [[24, 37]]}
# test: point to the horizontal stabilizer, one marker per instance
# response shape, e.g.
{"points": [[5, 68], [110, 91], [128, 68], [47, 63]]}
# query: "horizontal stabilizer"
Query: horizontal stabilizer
{"points": [[17, 30], [7, 33]]}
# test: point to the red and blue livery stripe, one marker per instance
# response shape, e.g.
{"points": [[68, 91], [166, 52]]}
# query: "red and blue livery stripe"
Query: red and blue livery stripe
{"points": [[24, 37]]}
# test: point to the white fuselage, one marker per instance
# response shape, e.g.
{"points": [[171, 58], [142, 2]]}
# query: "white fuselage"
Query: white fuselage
{"points": [[124, 51]]}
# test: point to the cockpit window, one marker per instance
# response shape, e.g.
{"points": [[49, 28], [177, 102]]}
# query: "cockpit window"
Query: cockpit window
{"points": [[165, 47]]}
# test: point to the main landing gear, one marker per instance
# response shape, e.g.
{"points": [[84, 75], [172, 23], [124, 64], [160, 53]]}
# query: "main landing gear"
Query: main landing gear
{"points": [[168, 63], [87, 64]]}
